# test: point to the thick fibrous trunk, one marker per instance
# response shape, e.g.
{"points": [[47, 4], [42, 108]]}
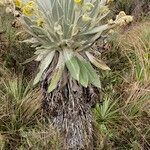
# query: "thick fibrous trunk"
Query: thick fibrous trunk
{"points": [[69, 107]]}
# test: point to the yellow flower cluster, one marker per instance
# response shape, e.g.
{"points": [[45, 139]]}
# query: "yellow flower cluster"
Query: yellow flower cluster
{"points": [[40, 22], [18, 3], [29, 8], [79, 2]]}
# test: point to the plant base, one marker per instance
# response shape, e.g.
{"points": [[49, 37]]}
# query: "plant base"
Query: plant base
{"points": [[69, 108]]}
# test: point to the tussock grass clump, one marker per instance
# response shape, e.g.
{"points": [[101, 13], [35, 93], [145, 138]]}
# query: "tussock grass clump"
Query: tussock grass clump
{"points": [[135, 43], [22, 125], [123, 117]]}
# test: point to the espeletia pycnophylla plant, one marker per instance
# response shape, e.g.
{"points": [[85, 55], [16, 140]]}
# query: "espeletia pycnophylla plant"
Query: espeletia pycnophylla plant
{"points": [[63, 33]]}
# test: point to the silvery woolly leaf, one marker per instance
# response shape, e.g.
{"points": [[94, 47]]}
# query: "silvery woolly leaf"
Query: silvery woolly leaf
{"points": [[97, 62], [96, 10], [42, 55], [31, 40], [71, 13], [29, 60], [72, 64], [93, 78], [98, 29], [57, 10], [57, 73], [42, 34], [84, 77], [43, 66]]}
